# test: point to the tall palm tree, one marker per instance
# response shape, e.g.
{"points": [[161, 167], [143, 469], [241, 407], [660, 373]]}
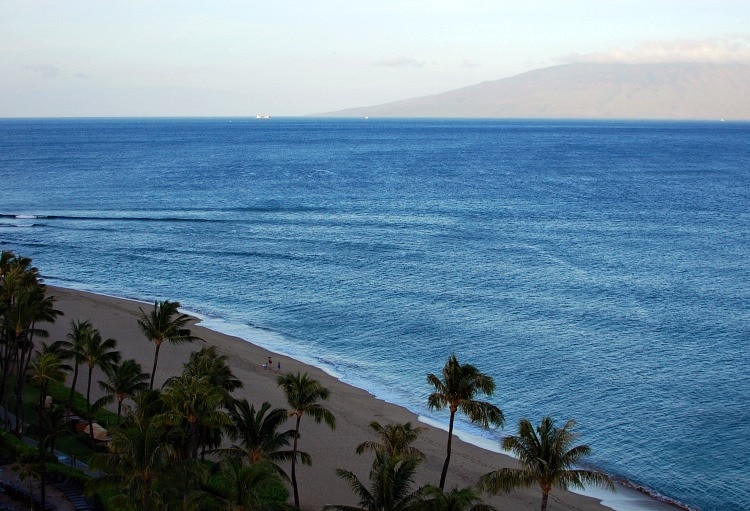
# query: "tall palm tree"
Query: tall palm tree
{"points": [[391, 479], [17, 277], [457, 391], [548, 458], [79, 331], [122, 380], [101, 353], [394, 439], [164, 324], [303, 395], [52, 425], [45, 368], [31, 306], [259, 435]]}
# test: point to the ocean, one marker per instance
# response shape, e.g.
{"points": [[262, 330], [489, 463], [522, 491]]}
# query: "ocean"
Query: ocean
{"points": [[596, 270]]}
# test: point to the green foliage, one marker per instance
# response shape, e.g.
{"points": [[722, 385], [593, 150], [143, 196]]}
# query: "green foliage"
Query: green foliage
{"points": [[456, 391], [548, 459], [272, 491], [106, 497], [60, 393], [391, 479], [395, 439], [218, 484], [71, 473], [15, 445], [303, 395], [275, 492]]}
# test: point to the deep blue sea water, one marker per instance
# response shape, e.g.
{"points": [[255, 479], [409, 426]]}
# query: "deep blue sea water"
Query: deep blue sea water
{"points": [[597, 270]]}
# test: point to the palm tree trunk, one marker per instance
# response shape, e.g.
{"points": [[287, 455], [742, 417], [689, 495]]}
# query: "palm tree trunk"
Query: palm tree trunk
{"points": [[88, 406], [24, 359], [42, 470], [42, 392], [6, 367], [156, 360], [145, 493], [193, 441], [448, 453], [294, 463], [18, 355], [73, 386], [545, 496], [19, 396]]}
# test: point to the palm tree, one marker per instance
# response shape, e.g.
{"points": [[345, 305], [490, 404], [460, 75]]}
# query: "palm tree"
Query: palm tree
{"points": [[96, 352], [259, 435], [161, 325], [391, 479], [302, 395], [62, 349], [79, 331], [52, 425], [209, 363], [547, 458], [141, 464], [248, 484], [34, 306], [195, 401], [45, 368], [122, 380], [394, 439], [457, 499], [31, 306], [17, 277], [456, 391]]}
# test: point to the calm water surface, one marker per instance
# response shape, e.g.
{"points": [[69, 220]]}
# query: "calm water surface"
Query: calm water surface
{"points": [[597, 270]]}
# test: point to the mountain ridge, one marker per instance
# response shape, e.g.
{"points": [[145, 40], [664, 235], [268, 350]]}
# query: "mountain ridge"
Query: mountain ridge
{"points": [[679, 91]]}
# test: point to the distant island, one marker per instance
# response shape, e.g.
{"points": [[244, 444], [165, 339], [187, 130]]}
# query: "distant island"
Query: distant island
{"points": [[679, 91]]}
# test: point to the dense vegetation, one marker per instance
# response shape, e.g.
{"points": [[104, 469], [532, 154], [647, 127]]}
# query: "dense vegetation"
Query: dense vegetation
{"points": [[193, 445]]}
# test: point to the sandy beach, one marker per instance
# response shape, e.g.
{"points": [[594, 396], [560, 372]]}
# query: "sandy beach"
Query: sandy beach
{"points": [[354, 409]]}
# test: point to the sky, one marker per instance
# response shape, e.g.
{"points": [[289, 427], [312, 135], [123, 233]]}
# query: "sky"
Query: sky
{"points": [[286, 57]]}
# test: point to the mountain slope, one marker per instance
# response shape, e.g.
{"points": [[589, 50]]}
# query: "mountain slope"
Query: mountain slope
{"points": [[597, 91]]}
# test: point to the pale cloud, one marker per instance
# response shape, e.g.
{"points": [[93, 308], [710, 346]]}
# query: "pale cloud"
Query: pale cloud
{"points": [[43, 70], [400, 62], [470, 63], [735, 48]]}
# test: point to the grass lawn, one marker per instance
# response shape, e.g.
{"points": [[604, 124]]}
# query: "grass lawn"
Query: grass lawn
{"points": [[74, 445]]}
